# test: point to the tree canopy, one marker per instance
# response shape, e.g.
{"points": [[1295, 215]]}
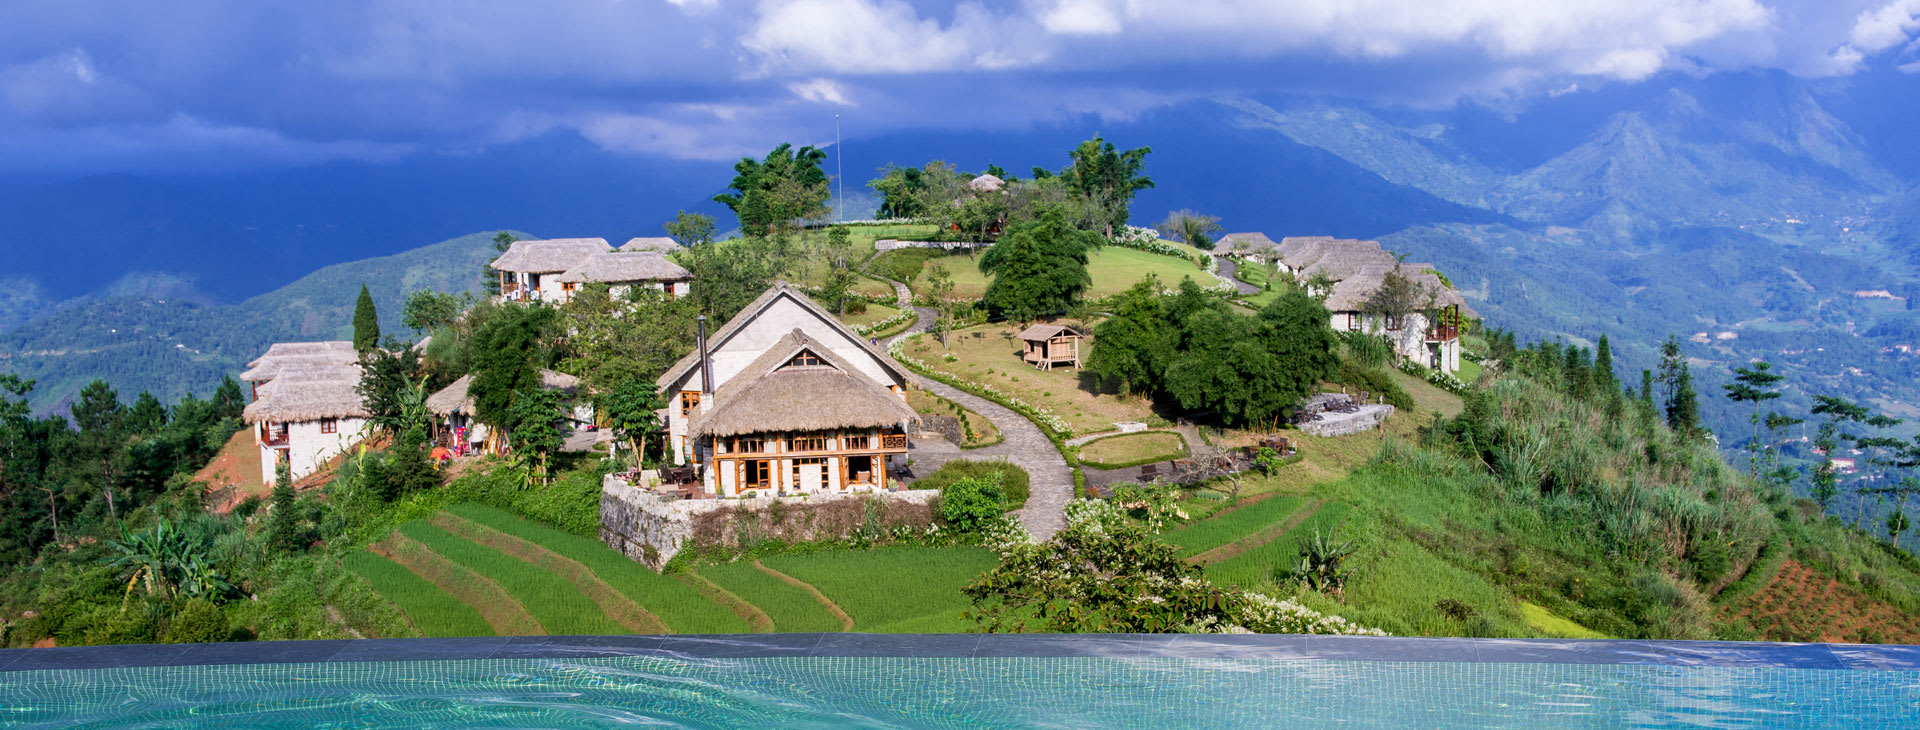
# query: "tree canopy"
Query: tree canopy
{"points": [[366, 322], [507, 356], [1038, 267], [787, 186]]}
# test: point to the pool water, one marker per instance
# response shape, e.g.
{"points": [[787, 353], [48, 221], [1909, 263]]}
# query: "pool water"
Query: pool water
{"points": [[956, 692]]}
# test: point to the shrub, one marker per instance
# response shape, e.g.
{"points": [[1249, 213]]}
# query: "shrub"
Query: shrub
{"points": [[969, 503], [1366, 350], [1455, 609], [1013, 480], [198, 622], [1375, 381]]}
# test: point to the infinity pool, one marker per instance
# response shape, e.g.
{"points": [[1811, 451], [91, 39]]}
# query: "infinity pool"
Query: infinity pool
{"points": [[856, 681]]}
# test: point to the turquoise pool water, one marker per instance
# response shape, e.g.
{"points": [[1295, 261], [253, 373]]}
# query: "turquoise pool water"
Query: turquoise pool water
{"points": [[957, 692]]}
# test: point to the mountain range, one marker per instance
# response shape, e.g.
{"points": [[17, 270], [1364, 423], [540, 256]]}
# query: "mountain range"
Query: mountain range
{"points": [[1753, 215]]}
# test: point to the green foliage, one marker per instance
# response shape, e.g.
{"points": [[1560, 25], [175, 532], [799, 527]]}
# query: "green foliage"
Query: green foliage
{"points": [[508, 353], [366, 322], [489, 277], [427, 310], [1038, 267], [432, 611], [285, 533], [555, 602], [1132, 347], [1012, 480], [409, 469], [903, 264], [394, 390], [786, 187], [733, 273], [199, 621], [613, 340], [1323, 565], [913, 192], [1260, 564], [691, 229], [1374, 381], [1106, 178], [893, 589], [678, 604], [535, 417], [969, 504], [631, 411], [1366, 350], [1676, 377], [1191, 228]]}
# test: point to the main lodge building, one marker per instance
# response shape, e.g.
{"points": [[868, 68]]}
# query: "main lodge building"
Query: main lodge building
{"points": [[785, 399]]}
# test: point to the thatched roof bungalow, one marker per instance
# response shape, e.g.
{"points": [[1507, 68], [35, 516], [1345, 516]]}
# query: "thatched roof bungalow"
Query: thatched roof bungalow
{"points": [[656, 244], [1250, 243], [789, 383], [986, 184], [454, 400], [528, 269], [625, 268], [306, 406]]}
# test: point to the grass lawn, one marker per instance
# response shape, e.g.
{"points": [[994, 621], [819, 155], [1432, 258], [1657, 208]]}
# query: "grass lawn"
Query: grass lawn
{"points": [[1469, 371], [894, 590], [981, 431], [1113, 270], [434, 612], [1134, 448], [993, 358], [874, 314], [813, 267], [1548, 623]]}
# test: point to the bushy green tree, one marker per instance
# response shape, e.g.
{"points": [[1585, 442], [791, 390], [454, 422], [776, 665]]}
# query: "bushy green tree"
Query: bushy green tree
{"points": [[1132, 348], [732, 273], [199, 621], [971, 503], [366, 322], [284, 529], [1038, 267], [788, 185], [489, 277], [393, 390], [508, 353], [1756, 384], [631, 409], [409, 469], [427, 310], [1107, 178], [618, 339], [1195, 229], [691, 229], [1682, 403], [536, 431]]}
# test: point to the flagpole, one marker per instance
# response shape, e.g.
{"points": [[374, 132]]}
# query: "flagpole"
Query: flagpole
{"points": [[839, 173]]}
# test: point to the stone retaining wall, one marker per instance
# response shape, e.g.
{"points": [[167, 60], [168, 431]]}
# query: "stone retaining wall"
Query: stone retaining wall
{"points": [[1341, 424], [651, 529], [889, 244]]}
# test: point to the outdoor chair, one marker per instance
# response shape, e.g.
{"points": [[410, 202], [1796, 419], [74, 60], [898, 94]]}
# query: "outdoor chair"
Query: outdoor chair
{"points": [[1149, 471]]}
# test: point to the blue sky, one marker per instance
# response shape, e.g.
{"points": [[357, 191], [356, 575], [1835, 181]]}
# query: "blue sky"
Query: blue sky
{"points": [[184, 85]]}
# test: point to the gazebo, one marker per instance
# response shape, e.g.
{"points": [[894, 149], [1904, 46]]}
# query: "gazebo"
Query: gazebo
{"points": [[1051, 344]]}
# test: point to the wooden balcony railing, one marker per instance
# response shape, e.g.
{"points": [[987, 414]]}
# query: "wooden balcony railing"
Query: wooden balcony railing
{"points": [[1443, 333], [893, 441]]}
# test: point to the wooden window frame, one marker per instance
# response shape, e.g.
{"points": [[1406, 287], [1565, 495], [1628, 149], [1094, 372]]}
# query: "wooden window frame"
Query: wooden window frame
{"points": [[807, 359], [750, 445], [797, 442], [689, 399], [330, 425], [749, 466], [856, 442]]}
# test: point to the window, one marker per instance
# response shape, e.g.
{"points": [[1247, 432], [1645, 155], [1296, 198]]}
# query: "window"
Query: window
{"points": [[807, 442], [329, 425], [759, 474], [567, 286], [1393, 322], [755, 445], [689, 399], [853, 443], [806, 359], [668, 289]]}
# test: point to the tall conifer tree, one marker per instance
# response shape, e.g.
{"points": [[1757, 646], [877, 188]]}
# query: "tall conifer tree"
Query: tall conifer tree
{"points": [[366, 322]]}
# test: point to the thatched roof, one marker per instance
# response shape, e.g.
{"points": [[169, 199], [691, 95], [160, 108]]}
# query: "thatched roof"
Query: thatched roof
{"points": [[1039, 332], [773, 396], [284, 349], [657, 244], [454, 399], [616, 268], [986, 183], [283, 355], [309, 394], [1344, 258], [1351, 294], [719, 337], [1248, 241], [549, 256]]}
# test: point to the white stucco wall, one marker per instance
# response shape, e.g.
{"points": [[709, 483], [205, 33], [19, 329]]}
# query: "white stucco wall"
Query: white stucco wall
{"points": [[308, 448], [1409, 340]]}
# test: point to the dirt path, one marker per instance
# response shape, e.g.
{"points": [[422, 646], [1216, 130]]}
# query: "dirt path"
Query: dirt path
{"points": [[756, 619], [1228, 269], [612, 602], [846, 622], [504, 614], [1023, 443], [1255, 540]]}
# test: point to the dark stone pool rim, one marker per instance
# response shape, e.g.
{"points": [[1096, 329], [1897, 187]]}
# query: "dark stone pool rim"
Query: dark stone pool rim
{"points": [[1259, 646]]}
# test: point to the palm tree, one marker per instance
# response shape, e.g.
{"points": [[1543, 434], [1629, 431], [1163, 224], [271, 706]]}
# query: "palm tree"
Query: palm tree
{"points": [[1191, 228]]}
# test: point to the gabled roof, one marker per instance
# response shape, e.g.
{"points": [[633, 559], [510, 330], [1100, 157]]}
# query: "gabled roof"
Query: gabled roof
{"points": [[283, 355], [719, 337], [659, 244], [309, 394], [284, 349], [1046, 331], [1344, 258], [1254, 241], [549, 256], [1351, 294], [620, 267], [772, 396], [455, 399]]}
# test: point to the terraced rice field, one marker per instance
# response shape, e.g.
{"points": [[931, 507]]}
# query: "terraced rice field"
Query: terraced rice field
{"points": [[478, 571], [1232, 523], [1256, 564]]}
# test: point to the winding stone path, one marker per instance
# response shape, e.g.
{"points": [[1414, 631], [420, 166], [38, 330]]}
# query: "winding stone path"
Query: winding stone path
{"points": [[1050, 479], [1229, 268]]}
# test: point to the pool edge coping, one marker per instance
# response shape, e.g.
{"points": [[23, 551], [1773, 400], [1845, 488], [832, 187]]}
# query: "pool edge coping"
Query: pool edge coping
{"points": [[961, 646]]}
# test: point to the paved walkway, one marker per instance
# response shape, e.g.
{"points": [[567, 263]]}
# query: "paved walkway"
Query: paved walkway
{"points": [[1050, 480], [1228, 267]]}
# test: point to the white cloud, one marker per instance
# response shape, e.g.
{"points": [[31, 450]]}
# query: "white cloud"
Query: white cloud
{"points": [[822, 91], [1080, 17], [1887, 26], [876, 37]]}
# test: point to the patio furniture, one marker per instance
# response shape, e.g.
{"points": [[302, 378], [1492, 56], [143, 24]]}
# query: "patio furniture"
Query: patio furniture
{"points": [[1149, 471]]}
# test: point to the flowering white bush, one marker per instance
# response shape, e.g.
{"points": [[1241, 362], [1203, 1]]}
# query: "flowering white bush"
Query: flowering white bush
{"points": [[1148, 240], [886, 324], [1447, 382], [1262, 614], [1041, 417]]}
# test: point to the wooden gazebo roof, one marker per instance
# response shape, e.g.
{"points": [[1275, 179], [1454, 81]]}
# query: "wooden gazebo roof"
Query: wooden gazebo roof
{"points": [[1044, 332]]}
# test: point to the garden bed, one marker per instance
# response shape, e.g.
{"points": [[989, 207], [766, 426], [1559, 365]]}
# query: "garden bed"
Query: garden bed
{"points": [[1133, 449]]}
